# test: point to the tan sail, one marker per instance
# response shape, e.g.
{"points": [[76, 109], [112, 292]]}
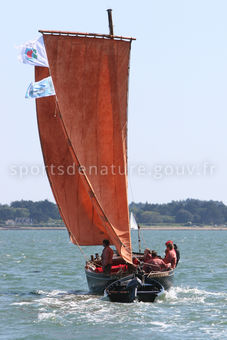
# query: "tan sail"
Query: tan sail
{"points": [[89, 118]]}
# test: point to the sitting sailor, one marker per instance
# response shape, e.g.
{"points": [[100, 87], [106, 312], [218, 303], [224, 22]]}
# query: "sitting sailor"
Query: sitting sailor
{"points": [[107, 256], [170, 254], [155, 264], [146, 255]]}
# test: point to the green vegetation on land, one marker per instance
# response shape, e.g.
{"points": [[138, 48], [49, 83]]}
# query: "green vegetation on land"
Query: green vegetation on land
{"points": [[176, 213], [189, 212], [30, 213]]}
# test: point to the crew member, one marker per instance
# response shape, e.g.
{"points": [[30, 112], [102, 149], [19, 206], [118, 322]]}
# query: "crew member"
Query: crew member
{"points": [[176, 250], [146, 255], [155, 264], [168, 242], [107, 256], [170, 254]]}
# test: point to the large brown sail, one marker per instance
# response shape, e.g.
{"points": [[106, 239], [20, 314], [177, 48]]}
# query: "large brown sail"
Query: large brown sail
{"points": [[90, 77], [69, 192]]}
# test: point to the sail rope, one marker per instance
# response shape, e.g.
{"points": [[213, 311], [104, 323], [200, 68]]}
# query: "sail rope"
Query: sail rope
{"points": [[133, 200], [144, 242], [130, 185], [80, 248]]}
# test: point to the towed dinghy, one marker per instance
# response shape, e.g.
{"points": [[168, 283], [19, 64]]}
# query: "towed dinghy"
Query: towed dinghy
{"points": [[134, 287]]}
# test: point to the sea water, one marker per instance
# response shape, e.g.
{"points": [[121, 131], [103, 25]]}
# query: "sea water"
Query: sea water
{"points": [[44, 294]]}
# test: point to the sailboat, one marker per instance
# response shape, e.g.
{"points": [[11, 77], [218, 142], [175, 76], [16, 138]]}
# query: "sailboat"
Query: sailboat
{"points": [[133, 223], [83, 135]]}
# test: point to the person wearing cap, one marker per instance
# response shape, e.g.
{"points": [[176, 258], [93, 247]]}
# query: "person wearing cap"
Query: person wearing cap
{"points": [[168, 242], [107, 256], [155, 264], [167, 249], [170, 254], [177, 251]]}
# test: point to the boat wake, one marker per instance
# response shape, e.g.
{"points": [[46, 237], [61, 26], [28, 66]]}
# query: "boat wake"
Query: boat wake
{"points": [[76, 308], [190, 295]]}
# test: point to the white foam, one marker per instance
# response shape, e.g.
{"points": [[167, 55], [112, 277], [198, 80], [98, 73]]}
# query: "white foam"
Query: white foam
{"points": [[159, 324], [20, 303], [190, 295], [45, 316], [196, 291], [55, 292]]}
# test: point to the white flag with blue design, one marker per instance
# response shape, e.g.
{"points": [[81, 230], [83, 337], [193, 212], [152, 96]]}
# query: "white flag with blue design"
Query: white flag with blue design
{"points": [[42, 88], [33, 52]]}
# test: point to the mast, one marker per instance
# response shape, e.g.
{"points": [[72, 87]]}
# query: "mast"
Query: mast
{"points": [[139, 241], [110, 21]]}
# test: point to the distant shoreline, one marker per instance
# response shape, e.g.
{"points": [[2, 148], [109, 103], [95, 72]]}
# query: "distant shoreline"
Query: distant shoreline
{"points": [[183, 228], [31, 228], [142, 228]]}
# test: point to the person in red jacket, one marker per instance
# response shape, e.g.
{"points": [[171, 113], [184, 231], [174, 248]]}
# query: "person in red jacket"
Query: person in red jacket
{"points": [[107, 256], [155, 264], [170, 255]]}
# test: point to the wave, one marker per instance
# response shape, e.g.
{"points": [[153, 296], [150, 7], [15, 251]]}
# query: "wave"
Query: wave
{"points": [[57, 292], [192, 295], [45, 316], [21, 303]]}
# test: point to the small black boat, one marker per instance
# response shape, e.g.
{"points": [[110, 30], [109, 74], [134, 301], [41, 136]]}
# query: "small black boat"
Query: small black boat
{"points": [[123, 290], [134, 287], [148, 292]]}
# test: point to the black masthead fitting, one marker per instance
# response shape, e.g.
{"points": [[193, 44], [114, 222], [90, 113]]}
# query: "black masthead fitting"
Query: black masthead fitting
{"points": [[110, 21]]}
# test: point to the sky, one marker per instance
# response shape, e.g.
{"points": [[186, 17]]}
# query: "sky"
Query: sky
{"points": [[177, 95]]}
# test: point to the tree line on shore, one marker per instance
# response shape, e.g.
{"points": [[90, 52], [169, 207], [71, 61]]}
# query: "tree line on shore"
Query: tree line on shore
{"points": [[29, 212], [190, 211]]}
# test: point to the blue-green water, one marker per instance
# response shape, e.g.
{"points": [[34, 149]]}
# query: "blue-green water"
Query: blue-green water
{"points": [[44, 295]]}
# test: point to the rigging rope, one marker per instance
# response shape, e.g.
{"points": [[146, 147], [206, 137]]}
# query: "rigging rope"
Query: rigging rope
{"points": [[143, 240], [81, 250]]}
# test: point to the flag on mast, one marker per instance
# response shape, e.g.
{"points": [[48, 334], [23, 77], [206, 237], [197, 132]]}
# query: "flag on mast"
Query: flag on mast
{"points": [[33, 52], [42, 88]]}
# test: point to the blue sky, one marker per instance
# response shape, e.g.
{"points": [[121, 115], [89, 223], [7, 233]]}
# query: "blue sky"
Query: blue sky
{"points": [[177, 94]]}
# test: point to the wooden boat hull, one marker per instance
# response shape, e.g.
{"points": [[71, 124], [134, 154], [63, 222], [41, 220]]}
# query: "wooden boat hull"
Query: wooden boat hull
{"points": [[97, 282], [164, 278]]}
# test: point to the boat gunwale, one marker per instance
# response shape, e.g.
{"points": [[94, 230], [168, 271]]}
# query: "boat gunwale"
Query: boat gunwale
{"points": [[100, 276], [155, 274]]}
